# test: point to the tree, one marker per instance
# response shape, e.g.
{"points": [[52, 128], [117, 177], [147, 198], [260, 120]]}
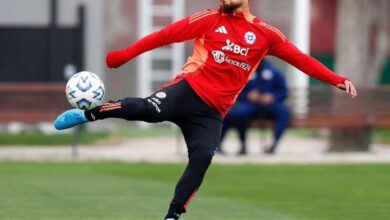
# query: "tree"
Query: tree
{"points": [[358, 22]]}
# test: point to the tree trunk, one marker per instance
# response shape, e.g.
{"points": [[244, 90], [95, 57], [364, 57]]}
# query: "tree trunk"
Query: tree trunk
{"points": [[353, 32], [359, 21], [381, 27], [351, 139], [353, 59]]}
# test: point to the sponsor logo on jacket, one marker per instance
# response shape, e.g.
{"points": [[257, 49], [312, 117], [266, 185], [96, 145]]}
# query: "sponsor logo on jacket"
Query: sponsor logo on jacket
{"points": [[235, 48], [220, 57]]}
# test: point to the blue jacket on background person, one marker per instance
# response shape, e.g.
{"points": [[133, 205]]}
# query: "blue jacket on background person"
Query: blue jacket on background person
{"points": [[264, 96], [266, 80]]}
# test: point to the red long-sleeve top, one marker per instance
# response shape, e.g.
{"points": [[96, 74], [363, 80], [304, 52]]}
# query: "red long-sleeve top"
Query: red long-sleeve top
{"points": [[227, 50]]}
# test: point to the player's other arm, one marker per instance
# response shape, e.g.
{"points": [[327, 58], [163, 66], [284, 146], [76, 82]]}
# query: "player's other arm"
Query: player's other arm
{"points": [[284, 49], [189, 28]]}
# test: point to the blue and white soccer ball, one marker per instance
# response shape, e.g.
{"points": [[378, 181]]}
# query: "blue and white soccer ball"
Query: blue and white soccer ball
{"points": [[85, 90]]}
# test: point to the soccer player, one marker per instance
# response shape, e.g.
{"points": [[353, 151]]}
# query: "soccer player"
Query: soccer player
{"points": [[229, 45]]}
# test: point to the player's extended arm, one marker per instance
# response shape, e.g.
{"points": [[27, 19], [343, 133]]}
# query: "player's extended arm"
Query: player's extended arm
{"points": [[285, 50], [186, 29]]}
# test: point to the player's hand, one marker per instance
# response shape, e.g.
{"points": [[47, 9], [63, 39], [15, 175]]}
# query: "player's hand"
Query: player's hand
{"points": [[254, 96], [267, 99], [348, 87], [116, 59]]}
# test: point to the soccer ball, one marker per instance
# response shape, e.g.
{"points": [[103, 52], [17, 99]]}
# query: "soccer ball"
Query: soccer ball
{"points": [[85, 90]]}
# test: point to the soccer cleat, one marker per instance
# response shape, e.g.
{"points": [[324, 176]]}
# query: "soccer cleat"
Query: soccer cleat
{"points": [[70, 119], [270, 150], [242, 151], [220, 151]]}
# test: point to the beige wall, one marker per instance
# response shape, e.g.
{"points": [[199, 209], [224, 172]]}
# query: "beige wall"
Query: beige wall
{"points": [[22, 12]]}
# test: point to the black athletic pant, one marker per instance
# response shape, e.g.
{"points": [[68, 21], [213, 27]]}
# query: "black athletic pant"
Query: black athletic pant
{"points": [[200, 125]]}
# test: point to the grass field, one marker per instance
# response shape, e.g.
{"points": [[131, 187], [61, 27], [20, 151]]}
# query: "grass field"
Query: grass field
{"points": [[39, 139], [142, 191]]}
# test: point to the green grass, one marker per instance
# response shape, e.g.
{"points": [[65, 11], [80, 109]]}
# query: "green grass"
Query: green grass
{"points": [[36, 138], [155, 130], [142, 191], [39, 139], [381, 136]]}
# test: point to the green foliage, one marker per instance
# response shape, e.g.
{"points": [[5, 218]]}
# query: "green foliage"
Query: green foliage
{"points": [[385, 79], [143, 191], [155, 130], [381, 136]]}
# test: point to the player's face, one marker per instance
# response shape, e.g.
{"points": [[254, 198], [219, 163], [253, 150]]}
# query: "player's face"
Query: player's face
{"points": [[230, 6]]}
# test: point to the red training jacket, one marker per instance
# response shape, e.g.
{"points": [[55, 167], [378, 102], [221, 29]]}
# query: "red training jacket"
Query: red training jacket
{"points": [[228, 49]]}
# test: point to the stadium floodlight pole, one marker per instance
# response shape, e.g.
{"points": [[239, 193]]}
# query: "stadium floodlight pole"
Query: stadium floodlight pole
{"points": [[301, 38]]}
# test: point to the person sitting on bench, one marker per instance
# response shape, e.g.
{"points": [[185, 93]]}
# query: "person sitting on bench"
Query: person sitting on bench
{"points": [[263, 97]]}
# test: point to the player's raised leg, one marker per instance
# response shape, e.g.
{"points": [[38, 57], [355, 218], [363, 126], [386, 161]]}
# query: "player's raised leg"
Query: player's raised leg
{"points": [[132, 109], [126, 109], [158, 107]]}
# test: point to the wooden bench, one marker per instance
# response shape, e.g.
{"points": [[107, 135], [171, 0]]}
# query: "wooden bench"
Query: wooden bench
{"points": [[353, 119], [329, 108], [31, 102]]}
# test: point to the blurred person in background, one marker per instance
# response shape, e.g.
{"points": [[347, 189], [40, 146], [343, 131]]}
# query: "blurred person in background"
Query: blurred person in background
{"points": [[263, 97], [229, 45]]}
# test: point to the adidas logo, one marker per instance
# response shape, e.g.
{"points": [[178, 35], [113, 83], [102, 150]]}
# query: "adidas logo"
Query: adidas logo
{"points": [[93, 117], [221, 30]]}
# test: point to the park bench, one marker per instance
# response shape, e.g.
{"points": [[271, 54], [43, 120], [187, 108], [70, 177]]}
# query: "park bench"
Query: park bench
{"points": [[332, 109], [329, 108], [31, 102]]}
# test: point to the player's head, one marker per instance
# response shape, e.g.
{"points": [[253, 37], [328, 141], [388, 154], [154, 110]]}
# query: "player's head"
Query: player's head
{"points": [[230, 6]]}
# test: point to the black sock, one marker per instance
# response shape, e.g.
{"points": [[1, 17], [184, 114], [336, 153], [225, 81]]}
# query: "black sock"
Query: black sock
{"points": [[132, 109], [172, 216], [175, 210]]}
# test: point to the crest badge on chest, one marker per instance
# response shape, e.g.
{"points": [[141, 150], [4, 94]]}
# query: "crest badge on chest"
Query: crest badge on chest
{"points": [[250, 38]]}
